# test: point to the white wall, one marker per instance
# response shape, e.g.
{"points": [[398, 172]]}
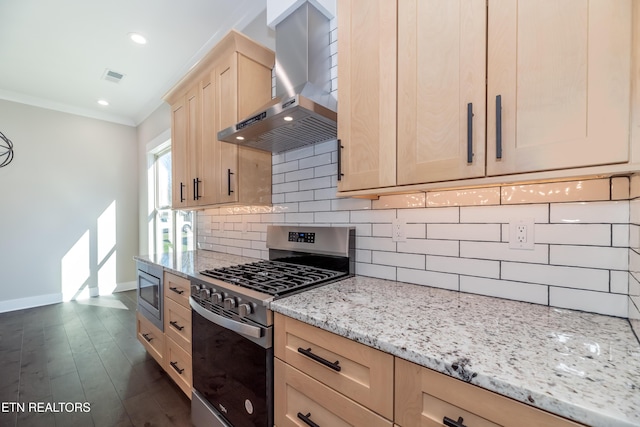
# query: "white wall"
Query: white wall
{"points": [[71, 183]]}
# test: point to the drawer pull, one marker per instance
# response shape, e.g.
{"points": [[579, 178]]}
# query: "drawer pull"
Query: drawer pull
{"points": [[176, 290], [174, 365], [307, 352], [307, 420], [146, 337], [450, 423], [175, 325]]}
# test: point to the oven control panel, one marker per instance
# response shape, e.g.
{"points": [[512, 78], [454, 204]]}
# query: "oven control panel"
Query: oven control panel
{"points": [[296, 236]]}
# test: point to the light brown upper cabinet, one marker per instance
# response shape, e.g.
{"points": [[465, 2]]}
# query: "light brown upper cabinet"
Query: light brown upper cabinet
{"points": [[367, 55], [482, 88], [230, 82], [561, 71]]}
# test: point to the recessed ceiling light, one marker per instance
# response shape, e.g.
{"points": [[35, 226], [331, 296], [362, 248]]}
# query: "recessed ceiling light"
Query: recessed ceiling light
{"points": [[103, 102], [137, 38]]}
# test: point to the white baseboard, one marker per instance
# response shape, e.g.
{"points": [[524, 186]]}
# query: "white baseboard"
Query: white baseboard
{"points": [[40, 300], [126, 286], [23, 303]]}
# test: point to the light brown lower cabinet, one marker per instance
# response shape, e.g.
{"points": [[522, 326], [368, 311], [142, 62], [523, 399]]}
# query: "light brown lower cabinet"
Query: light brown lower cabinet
{"points": [[151, 338], [424, 397], [178, 365], [298, 397]]}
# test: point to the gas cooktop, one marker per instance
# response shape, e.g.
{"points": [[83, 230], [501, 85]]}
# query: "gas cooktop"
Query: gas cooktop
{"points": [[275, 278]]}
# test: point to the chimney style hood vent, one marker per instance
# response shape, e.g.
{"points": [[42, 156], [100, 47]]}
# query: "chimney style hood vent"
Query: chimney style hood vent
{"points": [[303, 112]]}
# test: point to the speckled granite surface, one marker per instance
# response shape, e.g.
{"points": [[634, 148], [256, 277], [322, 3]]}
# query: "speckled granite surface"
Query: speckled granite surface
{"points": [[583, 366], [191, 262]]}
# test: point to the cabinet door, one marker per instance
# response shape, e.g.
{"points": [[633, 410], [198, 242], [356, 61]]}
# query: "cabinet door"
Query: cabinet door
{"points": [[226, 113], [561, 71], [209, 158], [367, 95], [441, 90], [192, 104], [179, 157]]}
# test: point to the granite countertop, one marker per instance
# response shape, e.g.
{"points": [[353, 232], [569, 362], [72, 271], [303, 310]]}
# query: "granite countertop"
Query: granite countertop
{"points": [[582, 366], [189, 263]]}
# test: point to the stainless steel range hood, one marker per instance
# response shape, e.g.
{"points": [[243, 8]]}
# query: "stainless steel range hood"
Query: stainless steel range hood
{"points": [[303, 111]]}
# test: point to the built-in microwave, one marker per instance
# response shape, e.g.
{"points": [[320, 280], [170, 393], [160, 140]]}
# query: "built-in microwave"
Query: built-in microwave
{"points": [[150, 293]]}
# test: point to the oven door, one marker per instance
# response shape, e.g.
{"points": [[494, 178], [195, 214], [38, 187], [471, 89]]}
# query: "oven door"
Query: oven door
{"points": [[232, 371]]}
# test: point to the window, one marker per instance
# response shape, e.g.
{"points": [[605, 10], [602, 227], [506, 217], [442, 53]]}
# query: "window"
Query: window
{"points": [[173, 231]]}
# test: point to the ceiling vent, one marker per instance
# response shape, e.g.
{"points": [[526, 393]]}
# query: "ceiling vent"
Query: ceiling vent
{"points": [[112, 76]]}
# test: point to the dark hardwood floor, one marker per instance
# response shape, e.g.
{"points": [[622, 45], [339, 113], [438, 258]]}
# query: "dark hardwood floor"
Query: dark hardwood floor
{"points": [[79, 364]]}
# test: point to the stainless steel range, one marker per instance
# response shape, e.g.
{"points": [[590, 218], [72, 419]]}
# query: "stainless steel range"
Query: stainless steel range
{"points": [[233, 327]]}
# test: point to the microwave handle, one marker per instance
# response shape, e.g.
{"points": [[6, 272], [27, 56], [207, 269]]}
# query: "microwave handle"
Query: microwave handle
{"points": [[241, 328]]}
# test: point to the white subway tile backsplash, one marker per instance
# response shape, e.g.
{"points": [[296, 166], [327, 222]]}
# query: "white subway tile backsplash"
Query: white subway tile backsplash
{"points": [[331, 217], [590, 256], [501, 251], [398, 260], [620, 235], [315, 183], [503, 214], [350, 204], [376, 243], [299, 153], [615, 212], [324, 194], [430, 247], [527, 292], [285, 188], [430, 215], [373, 270], [382, 230], [477, 232], [299, 218], [315, 206], [326, 170], [325, 147], [363, 256], [298, 175], [315, 161], [284, 167], [429, 278], [466, 266], [373, 216], [544, 274], [299, 196], [619, 282], [595, 302], [572, 234]]}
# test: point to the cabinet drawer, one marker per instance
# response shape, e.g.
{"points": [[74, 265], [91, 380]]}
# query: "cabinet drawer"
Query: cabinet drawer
{"points": [[178, 366], [151, 338], [297, 393], [424, 397], [177, 288], [177, 324], [365, 374]]}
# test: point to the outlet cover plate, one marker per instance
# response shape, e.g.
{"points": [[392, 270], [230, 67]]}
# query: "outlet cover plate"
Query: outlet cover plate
{"points": [[398, 233], [521, 233]]}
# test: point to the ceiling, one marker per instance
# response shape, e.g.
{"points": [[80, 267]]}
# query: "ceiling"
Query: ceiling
{"points": [[53, 54]]}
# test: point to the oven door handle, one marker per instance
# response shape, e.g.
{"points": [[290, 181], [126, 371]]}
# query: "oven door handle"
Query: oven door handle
{"points": [[235, 326]]}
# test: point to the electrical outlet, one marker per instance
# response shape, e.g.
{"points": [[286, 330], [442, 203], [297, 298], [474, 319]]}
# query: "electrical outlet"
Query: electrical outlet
{"points": [[398, 230], [521, 233]]}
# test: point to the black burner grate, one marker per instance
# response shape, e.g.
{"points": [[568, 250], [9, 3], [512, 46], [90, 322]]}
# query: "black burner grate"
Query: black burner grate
{"points": [[273, 277]]}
